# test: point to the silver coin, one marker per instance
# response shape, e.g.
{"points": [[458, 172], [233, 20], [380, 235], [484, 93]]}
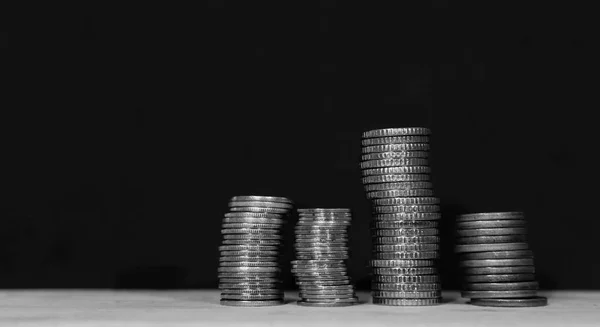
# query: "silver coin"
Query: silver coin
{"points": [[248, 248], [536, 301], [517, 254], [260, 204], [491, 232], [394, 140], [499, 278], [394, 155], [394, 178], [259, 209], [347, 300], [491, 224], [412, 255], [424, 279], [250, 258], [319, 271], [402, 263], [334, 210], [496, 262], [405, 239], [240, 220], [533, 285], [325, 288], [315, 283], [398, 186], [402, 224], [396, 147], [492, 239], [256, 236], [321, 256], [247, 269], [248, 264], [499, 270], [251, 226], [251, 291], [406, 201], [498, 294], [261, 198], [255, 215], [406, 247], [249, 231], [407, 302], [396, 162], [406, 208], [337, 292], [491, 247], [397, 271], [246, 275], [249, 297], [250, 280], [325, 304], [491, 216], [405, 232], [406, 295], [252, 242], [396, 132], [406, 216], [406, 287], [261, 303], [250, 286], [398, 193]]}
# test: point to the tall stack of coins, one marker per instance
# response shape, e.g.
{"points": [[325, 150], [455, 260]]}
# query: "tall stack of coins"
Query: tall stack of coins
{"points": [[405, 217], [321, 250], [498, 266], [249, 271]]}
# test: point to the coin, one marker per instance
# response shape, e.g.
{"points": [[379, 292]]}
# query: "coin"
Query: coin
{"points": [[249, 297], [257, 236], [405, 232], [532, 285], [497, 255], [402, 263], [405, 217], [259, 303], [393, 178], [407, 255], [406, 201], [396, 147], [406, 287], [255, 215], [325, 304], [490, 224], [491, 247], [260, 204], [396, 162], [255, 258], [394, 140], [425, 279], [406, 295], [536, 301], [396, 271], [405, 239], [396, 170], [333, 210], [248, 269], [261, 198], [401, 224], [398, 193], [398, 186], [492, 239], [248, 264], [394, 155], [248, 248], [251, 226], [405, 247], [252, 242], [498, 294], [496, 262], [491, 216], [499, 270], [249, 231], [396, 132], [250, 280], [407, 302], [259, 209], [491, 231], [499, 278], [250, 286]]}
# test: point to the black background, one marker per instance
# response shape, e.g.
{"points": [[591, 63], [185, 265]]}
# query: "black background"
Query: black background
{"points": [[132, 127]]}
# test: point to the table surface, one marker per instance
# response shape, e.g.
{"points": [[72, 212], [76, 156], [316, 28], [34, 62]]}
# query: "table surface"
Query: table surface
{"points": [[201, 308]]}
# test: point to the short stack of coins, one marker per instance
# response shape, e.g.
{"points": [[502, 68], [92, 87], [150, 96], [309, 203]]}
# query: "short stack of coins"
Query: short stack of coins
{"points": [[405, 217], [497, 263], [321, 250], [249, 268]]}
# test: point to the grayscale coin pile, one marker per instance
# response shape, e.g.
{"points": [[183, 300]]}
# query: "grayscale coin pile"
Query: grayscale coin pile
{"points": [[497, 264], [249, 270], [405, 217], [321, 250]]}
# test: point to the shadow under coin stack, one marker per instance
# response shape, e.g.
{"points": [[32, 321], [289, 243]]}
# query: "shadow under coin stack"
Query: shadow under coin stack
{"points": [[498, 266], [405, 217], [321, 250], [249, 271]]}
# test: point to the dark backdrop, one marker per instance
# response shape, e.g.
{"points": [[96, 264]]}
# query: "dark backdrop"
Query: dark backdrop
{"points": [[134, 126]]}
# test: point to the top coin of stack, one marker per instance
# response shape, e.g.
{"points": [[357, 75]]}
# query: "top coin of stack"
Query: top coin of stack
{"points": [[406, 243], [249, 271], [498, 267]]}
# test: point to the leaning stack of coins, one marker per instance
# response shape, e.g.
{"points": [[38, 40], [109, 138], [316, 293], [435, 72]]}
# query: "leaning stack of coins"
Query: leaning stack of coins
{"points": [[249, 271], [321, 251], [498, 266], [405, 217]]}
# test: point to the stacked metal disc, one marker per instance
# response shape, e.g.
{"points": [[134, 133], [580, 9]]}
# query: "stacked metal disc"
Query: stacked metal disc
{"points": [[321, 250], [249, 270], [405, 217], [498, 266]]}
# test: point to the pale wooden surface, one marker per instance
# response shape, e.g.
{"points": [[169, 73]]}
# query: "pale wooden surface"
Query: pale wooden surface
{"points": [[201, 308]]}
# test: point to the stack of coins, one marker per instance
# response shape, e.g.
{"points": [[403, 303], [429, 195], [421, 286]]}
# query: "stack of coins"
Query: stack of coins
{"points": [[405, 217], [321, 250], [249, 271], [498, 266]]}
